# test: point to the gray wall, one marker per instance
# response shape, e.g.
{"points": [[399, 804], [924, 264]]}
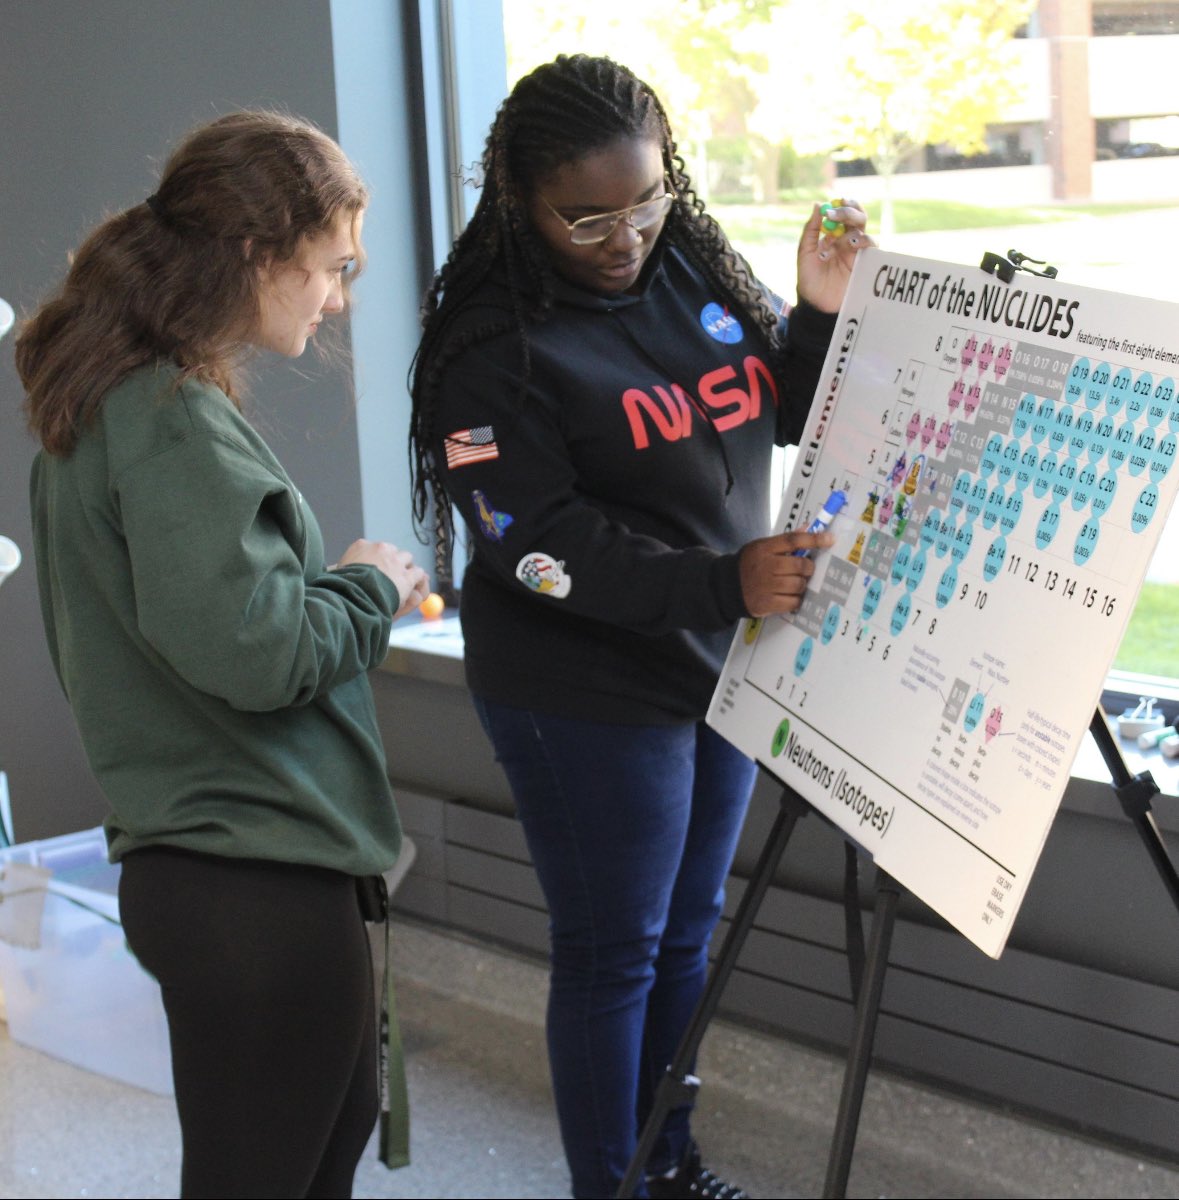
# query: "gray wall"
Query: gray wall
{"points": [[93, 96]]}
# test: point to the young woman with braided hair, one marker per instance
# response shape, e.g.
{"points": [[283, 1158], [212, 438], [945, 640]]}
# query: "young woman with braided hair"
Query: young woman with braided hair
{"points": [[598, 388]]}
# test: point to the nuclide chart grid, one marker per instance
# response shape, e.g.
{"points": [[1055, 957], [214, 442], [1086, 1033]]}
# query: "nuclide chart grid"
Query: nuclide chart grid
{"points": [[1008, 455]]}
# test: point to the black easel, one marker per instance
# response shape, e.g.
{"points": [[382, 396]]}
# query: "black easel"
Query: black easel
{"points": [[1134, 793], [679, 1086]]}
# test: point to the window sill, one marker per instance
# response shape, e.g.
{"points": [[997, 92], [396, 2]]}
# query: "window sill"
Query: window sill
{"points": [[432, 650]]}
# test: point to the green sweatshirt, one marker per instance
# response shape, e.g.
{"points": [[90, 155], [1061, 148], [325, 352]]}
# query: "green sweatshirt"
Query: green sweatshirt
{"points": [[216, 668]]}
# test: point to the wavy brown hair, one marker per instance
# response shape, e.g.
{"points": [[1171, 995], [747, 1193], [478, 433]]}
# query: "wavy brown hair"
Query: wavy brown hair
{"points": [[179, 276]]}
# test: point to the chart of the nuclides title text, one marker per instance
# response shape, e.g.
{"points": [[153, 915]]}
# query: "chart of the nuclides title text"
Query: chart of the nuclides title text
{"points": [[1008, 456]]}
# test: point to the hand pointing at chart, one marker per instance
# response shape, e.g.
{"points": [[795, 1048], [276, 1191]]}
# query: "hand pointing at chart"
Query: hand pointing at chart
{"points": [[774, 575]]}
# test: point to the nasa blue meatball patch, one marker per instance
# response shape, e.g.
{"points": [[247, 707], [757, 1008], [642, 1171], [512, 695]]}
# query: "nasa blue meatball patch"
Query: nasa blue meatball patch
{"points": [[720, 324]]}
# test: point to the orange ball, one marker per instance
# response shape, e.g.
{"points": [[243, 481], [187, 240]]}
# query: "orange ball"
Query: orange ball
{"points": [[432, 607]]}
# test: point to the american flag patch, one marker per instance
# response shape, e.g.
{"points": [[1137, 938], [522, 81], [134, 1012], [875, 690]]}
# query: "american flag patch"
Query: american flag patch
{"points": [[466, 446]]}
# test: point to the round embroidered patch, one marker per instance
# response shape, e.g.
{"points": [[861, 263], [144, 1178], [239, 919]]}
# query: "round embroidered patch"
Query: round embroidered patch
{"points": [[720, 324], [542, 573]]}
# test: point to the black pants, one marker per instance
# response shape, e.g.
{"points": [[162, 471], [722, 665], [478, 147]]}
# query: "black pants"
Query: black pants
{"points": [[267, 985]]}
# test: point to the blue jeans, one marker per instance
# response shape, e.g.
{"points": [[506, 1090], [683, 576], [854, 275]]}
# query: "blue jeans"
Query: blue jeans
{"points": [[632, 829]]}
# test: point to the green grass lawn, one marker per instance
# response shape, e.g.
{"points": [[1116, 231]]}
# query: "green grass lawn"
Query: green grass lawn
{"points": [[770, 222], [1151, 643]]}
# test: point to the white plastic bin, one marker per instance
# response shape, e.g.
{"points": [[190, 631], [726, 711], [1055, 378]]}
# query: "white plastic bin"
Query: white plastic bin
{"points": [[81, 995]]}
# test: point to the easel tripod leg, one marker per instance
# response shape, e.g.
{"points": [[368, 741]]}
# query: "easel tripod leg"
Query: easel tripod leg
{"points": [[1135, 792], [859, 1055], [677, 1085]]}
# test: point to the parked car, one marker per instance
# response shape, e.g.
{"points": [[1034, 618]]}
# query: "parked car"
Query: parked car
{"points": [[1144, 150]]}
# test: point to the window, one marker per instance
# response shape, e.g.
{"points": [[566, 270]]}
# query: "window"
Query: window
{"points": [[1069, 165]]}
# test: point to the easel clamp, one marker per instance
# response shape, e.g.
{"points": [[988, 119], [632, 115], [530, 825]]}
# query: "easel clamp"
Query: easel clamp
{"points": [[1135, 796], [1005, 268]]}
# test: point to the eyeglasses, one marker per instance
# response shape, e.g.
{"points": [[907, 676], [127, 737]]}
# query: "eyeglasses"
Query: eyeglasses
{"points": [[599, 227]]}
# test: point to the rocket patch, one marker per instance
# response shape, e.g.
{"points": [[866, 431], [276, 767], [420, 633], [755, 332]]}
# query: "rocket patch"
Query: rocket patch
{"points": [[492, 524]]}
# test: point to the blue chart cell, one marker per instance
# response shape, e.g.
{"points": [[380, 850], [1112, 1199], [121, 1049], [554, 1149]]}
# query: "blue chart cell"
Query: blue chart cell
{"points": [[1119, 389], [963, 538], [1062, 485], [1139, 394], [974, 712], [993, 507], [1173, 415], [990, 456], [1012, 511], [1024, 414], [872, 596], [1082, 434], [945, 535], [1103, 494], [1008, 462], [1042, 421], [1101, 438], [1160, 402], [1086, 542], [1098, 387], [1163, 457], [830, 623], [1078, 377], [929, 528], [1119, 448], [1045, 473], [1047, 526], [1144, 508], [996, 553], [975, 501], [900, 613], [916, 571], [1140, 452], [803, 658], [1028, 462], [946, 586], [1083, 488]]}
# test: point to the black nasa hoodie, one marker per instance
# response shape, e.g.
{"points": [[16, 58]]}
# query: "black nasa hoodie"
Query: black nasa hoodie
{"points": [[607, 505]]}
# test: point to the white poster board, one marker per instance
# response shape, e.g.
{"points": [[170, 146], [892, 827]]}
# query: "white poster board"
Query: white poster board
{"points": [[1008, 455]]}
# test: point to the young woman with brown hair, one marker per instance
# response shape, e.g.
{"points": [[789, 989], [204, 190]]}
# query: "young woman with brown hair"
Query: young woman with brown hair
{"points": [[215, 664]]}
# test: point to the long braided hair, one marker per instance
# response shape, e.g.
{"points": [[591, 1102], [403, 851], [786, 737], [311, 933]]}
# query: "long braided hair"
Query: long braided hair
{"points": [[555, 115]]}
